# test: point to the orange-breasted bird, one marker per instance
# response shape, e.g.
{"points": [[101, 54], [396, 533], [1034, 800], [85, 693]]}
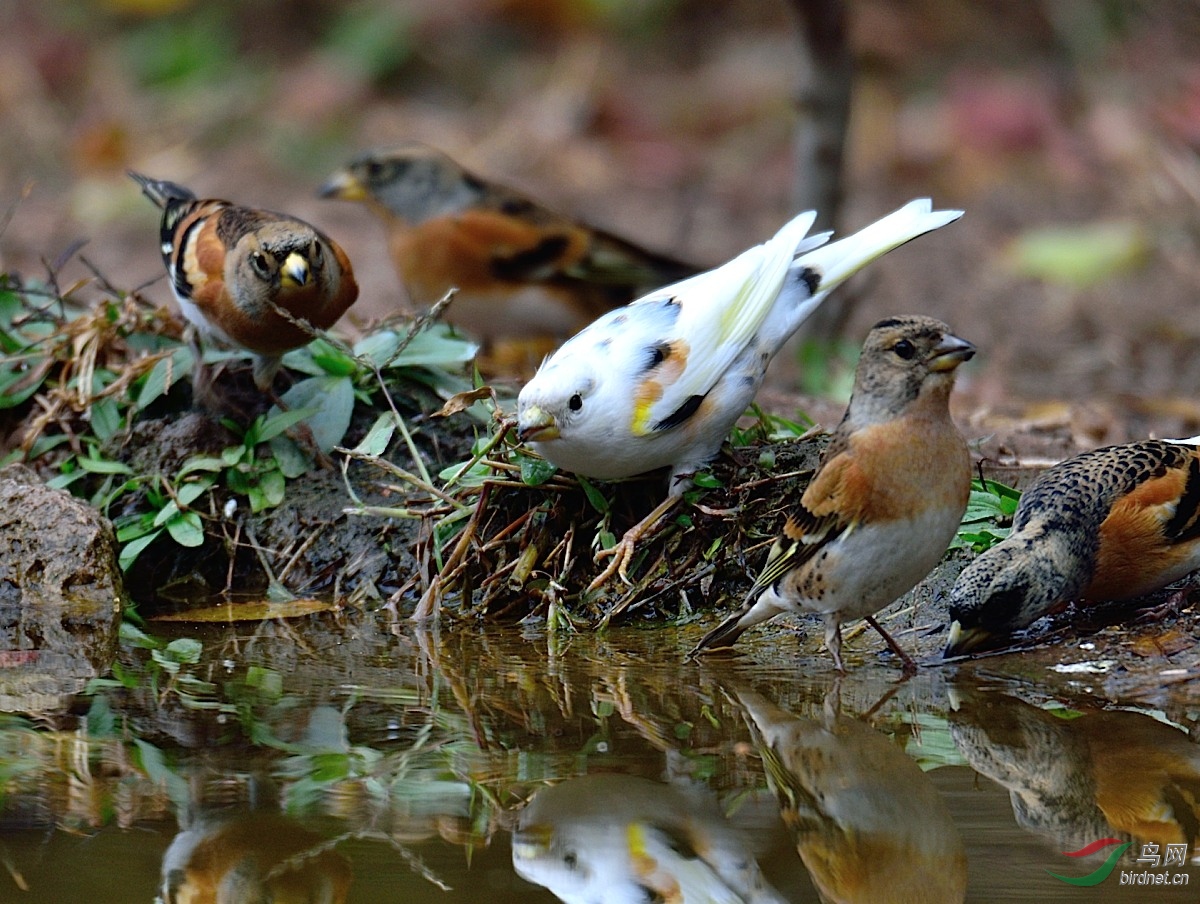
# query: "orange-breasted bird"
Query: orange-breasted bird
{"points": [[886, 499], [1110, 524], [522, 271], [244, 276], [869, 825]]}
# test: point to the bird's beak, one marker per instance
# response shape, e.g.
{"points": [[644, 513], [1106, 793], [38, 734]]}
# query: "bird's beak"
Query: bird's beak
{"points": [[536, 425], [965, 640], [532, 842], [295, 271], [949, 353], [344, 186]]}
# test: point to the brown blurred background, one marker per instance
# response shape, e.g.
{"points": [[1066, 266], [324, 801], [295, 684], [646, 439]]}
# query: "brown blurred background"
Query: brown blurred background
{"points": [[1069, 130]]}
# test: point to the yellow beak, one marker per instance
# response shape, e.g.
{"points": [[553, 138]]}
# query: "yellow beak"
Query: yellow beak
{"points": [[532, 842], [965, 640], [344, 187], [950, 353], [536, 425], [295, 271]]}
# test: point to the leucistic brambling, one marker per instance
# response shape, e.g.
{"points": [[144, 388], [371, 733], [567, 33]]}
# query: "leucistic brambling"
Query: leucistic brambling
{"points": [[243, 276], [1110, 524], [526, 275], [660, 382], [623, 838], [886, 499]]}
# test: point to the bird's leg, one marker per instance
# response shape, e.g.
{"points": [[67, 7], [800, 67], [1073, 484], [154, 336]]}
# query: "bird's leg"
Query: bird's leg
{"points": [[622, 553], [908, 666], [1173, 604], [203, 394], [833, 641]]}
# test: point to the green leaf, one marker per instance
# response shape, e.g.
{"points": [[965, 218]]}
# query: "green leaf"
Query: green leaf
{"points": [[162, 376], [93, 464], [187, 529], [18, 382], [435, 346], [706, 480], [265, 428], [594, 496], [472, 477], [184, 650], [535, 471], [331, 359], [208, 463], [131, 550], [189, 492], [105, 418], [270, 491], [292, 460], [378, 437], [330, 400]]}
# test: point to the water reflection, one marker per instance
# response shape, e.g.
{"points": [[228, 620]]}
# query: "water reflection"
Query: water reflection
{"points": [[621, 839], [868, 824], [1076, 775], [252, 858], [518, 767]]}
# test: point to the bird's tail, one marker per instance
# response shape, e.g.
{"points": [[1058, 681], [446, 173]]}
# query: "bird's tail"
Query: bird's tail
{"points": [[159, 191], [752, 612], [836, 262]]}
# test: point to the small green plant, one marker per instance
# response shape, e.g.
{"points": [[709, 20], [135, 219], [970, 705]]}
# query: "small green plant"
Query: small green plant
{"points": [[988, 517]]}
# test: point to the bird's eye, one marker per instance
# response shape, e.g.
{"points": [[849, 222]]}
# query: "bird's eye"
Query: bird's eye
{"points": [[316, 253], [570, 860], [260, 265], [904, 349], [575, 402]]}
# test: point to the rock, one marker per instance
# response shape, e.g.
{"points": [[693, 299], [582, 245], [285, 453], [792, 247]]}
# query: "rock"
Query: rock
{"points": [[60, 593]]}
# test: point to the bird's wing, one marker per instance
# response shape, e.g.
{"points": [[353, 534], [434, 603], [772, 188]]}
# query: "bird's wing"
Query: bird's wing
{"points": [[718, 313], [1167, 496], [830, 507]]}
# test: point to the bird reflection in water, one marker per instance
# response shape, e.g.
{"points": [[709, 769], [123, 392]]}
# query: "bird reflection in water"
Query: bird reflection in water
{"points": [[621, 839], [868, 824], [1086, 776], [251, 858]]}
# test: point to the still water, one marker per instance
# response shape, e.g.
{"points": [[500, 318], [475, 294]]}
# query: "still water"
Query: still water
{"points": [[349, 759]]}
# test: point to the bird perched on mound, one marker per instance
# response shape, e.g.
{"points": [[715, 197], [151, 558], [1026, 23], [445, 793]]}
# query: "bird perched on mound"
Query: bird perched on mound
{"points": [[1110, 524], [522, 271], [660, 382], [245, 276], [886, 499]]}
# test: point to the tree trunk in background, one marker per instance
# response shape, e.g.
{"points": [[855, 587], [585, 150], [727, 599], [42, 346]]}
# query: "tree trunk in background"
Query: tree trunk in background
{"points": [[822, 115]]}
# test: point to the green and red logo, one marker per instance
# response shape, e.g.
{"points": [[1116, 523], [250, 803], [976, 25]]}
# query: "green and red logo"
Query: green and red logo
{"points": [[1101, 873]]}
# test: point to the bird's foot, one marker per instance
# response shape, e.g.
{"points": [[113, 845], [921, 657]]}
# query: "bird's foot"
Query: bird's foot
{"points": [[622, 553], [1175, 602]]}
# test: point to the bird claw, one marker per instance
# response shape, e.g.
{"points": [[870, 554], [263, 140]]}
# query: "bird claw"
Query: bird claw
{"points": [[621, 554]]}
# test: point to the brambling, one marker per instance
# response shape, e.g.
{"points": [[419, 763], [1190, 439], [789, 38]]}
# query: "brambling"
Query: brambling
{"points": [[522, 271], [255, 856], [249, 278], [660, 382], [868, 824], [1110, 524], [1091, 776], [886, 499], [623, 838]]}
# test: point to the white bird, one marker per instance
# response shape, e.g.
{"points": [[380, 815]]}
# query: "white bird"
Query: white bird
{"points": [[661, 381]]}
